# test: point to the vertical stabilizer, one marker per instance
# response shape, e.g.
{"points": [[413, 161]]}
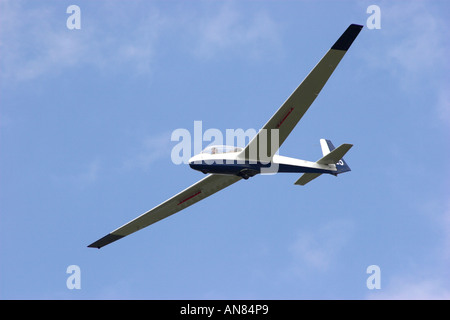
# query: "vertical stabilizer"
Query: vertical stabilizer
{"points": [[331, 155], [325, 147]]}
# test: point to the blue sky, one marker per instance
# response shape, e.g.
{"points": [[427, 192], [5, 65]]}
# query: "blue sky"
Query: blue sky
{"points": [[85, 122]]}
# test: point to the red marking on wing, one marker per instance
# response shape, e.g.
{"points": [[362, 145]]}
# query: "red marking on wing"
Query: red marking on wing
{"points": [[190, 197], [287, 114]]}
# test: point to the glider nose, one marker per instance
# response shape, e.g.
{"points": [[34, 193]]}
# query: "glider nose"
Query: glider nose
{"points": [[194, 160], [195, 163]]}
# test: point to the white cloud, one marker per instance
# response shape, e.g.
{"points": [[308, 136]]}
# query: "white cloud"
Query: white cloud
{"points": [[36, 42], [90, 174], [443, 104], [420, 43], [152, 148], [425, 281], [319, 249], [414, 50], [229, 30], [413, 289], [445, 222], [413, 39], [82, 176], [439, 211]]}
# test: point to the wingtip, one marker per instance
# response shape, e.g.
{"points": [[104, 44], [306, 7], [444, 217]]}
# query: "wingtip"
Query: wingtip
{"points": [[354, 25], [346, 39], [105, 240]]}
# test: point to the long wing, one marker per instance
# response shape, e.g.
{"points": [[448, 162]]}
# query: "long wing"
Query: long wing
{"points": [[293, 109], [198, 191]]}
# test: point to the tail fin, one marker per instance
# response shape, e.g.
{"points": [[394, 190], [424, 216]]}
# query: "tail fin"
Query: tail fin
{"points": [[331, 155]]}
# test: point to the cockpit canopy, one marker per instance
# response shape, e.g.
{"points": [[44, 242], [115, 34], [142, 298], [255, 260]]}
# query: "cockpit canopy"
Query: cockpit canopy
{"points": [[221, 149]]}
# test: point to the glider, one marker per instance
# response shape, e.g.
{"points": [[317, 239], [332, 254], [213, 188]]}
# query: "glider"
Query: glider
{"points": [[226, 165]]}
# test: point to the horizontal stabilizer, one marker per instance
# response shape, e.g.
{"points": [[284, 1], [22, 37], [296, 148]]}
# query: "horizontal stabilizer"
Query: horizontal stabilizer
{"points": [[306, 177], [337, 154], [331, 156]]}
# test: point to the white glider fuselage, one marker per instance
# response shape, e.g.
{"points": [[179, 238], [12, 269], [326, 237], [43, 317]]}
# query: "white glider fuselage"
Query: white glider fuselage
{"points": [[230, 161]]}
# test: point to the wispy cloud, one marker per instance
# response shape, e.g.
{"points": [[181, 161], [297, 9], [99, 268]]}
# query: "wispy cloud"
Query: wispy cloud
{"points": [[151, 149], [424, 279], [443, 103], [80, 176], [413, 289], [417, 51], [35, 41], [253, 35], [438, 211], [90, 174], [319, 248], [421, 43]]}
